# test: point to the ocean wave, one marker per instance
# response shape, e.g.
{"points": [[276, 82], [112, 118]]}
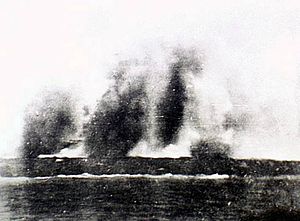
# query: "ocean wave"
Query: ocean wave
{"points": [[280, 177], [23, 179], [163, 176], [92, 176]]}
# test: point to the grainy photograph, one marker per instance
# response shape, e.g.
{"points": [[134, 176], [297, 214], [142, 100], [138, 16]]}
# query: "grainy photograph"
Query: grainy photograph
{"points": [[150, 110]]}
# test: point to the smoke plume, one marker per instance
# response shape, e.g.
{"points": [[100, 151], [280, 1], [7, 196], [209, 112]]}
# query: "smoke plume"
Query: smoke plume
{"points": [[49, 121]]}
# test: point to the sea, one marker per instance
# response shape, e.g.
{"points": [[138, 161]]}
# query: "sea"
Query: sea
{"points": [[150, 197]]}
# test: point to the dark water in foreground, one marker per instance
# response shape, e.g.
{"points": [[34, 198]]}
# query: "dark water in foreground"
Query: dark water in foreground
{"points": [[150, 198]]}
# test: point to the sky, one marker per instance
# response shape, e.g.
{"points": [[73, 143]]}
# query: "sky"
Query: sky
{"points": [[74, 45]]}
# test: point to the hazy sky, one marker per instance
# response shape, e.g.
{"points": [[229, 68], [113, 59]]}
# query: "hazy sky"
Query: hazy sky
{"points": [[73, 44]]}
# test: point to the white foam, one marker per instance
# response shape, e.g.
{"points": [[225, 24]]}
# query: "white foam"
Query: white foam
{"points": [[168, 176], [148, 176], [143, 149], [77, 152], [13, 180], [279, 177]]}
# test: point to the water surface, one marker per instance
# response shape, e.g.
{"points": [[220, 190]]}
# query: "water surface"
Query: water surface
{"points": [[167, 197]]}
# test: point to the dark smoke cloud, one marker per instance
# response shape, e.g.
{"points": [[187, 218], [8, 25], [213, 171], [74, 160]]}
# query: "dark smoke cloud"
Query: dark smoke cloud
{"points": [[208, 148], [171, 108], [48, 120], [118, 123]]}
